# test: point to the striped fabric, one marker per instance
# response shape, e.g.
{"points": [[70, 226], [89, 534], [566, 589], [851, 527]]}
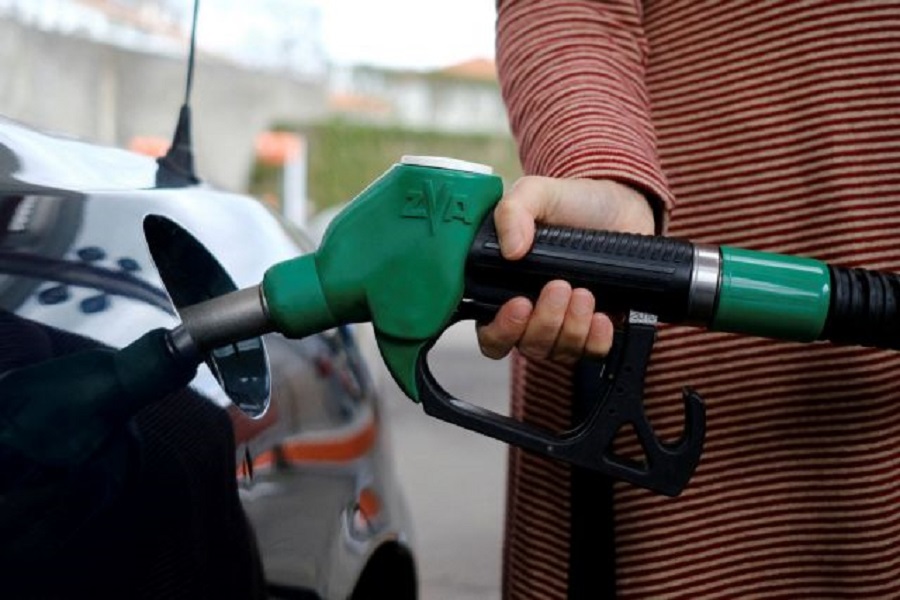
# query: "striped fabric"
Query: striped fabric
{"points": [[776, 126], [538, 489]]}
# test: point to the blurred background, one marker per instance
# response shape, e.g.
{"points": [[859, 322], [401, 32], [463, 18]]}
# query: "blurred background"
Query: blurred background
{"points": [[302, 103], [354, 82]]}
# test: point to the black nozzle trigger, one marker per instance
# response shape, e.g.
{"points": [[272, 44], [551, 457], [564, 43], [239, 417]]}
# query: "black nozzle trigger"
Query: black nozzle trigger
{"points": [[667, 468]]}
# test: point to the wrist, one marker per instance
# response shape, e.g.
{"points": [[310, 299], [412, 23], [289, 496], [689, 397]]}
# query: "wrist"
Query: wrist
{"points": [[640, 211], [658, 208]]}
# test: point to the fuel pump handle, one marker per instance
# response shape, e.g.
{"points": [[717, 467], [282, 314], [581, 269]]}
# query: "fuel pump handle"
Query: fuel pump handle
{"points": [[417, 251]]}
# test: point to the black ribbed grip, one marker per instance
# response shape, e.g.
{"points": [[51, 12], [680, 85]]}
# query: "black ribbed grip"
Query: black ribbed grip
{"points": [[624, 271], [864, 308]]}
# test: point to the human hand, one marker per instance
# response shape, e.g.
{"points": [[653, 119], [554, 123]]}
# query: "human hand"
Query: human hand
{"points": [[562, 324]]}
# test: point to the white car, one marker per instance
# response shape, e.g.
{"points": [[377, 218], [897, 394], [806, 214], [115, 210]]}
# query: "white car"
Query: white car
{"points": [[192, 498]]}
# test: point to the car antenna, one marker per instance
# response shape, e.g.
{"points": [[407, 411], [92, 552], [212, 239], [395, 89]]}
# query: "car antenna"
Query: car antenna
{"points": [[176, 168]]}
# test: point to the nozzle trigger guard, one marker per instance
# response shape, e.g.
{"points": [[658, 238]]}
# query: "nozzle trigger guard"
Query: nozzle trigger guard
{"points": [[667, 468]]}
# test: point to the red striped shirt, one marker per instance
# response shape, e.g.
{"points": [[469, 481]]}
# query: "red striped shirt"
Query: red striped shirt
{"points": [[768, 124]]}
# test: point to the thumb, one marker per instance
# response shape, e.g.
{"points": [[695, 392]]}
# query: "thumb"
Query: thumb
{"points": [[583, 203], [530, 200]]}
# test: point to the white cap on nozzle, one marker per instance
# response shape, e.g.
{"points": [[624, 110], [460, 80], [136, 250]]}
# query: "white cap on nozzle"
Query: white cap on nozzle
{"points": [[441, 162]]}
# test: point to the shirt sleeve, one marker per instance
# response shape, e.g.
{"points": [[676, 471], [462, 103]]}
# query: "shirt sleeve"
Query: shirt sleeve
{"points": [[572, 77]]}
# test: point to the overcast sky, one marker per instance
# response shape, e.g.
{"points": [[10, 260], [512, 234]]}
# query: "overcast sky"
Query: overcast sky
{"points": [[403, 34], [407, 33]]}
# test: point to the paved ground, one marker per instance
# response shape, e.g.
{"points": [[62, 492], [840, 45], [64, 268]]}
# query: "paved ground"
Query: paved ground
{"points": [[454, 479]]}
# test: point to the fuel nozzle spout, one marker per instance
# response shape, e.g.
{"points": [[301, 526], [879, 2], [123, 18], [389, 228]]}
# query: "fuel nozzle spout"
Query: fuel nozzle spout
{"points": [[222, 320]]}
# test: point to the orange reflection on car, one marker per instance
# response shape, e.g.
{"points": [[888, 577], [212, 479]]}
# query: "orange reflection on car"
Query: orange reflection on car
{"points": [[335, 449]]}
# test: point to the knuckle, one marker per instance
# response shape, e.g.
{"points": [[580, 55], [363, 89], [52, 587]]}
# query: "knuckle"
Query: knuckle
{"points": [[524, 184], [570, 346], [535, 350], [529, 188], [566, 355], [505, 210]]}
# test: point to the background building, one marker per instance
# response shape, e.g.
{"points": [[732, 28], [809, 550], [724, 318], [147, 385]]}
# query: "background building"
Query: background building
{"points": [[113, 71]]}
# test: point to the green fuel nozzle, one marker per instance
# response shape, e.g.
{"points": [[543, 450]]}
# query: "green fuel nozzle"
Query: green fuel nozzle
{"points": [[417, 251], [419, 244], [394, 256]]}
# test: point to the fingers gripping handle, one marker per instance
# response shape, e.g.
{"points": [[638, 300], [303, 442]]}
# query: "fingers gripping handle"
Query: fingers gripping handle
{"points": [[623, 271]]}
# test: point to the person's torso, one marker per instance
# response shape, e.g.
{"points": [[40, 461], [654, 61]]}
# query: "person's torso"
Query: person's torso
{"points": [[779, 130]]}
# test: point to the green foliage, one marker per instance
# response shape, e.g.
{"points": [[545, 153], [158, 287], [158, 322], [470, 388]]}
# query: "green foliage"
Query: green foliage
{"points": [[345, 157]]}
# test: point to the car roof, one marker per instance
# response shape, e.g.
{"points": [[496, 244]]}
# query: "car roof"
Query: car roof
{"points": [[35, 160]]}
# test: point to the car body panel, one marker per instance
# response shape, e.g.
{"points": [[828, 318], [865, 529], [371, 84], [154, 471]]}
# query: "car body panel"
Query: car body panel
{"points": [[30, 159], [318, 455]]}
